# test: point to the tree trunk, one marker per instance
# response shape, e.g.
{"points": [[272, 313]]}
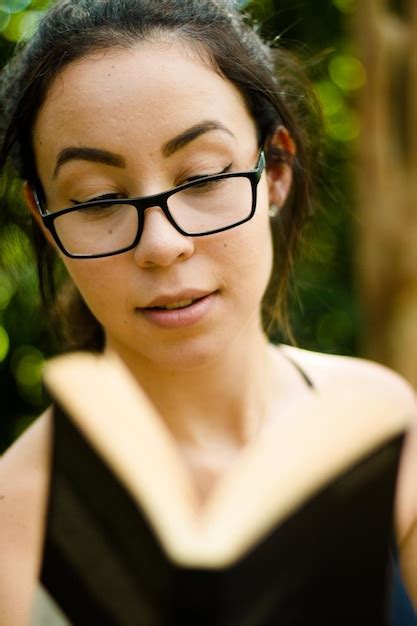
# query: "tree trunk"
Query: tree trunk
{"points": [[387, 189]]}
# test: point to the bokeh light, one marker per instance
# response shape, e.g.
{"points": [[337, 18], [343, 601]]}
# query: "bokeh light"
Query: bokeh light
{"points": [[4, 344], [15, 249], [14, 6], [6, 291], [347, 72], [331, 99], [27, 362], [344, 127], [22, 25], [345, 6], [4, 19]]}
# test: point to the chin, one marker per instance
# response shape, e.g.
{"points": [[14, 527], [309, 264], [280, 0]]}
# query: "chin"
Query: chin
{"points": [[188, 356], [184, 350]]}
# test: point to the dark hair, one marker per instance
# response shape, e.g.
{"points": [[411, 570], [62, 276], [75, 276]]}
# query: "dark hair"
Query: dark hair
{"points": [[271, 82]]}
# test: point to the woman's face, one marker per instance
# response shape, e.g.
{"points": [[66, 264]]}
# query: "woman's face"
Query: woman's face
{"points": [[132, 104]]}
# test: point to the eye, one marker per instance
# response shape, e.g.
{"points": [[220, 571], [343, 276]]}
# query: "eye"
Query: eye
{"points": [[106, 196], [204, 185], [99, 211], [203, 176]]}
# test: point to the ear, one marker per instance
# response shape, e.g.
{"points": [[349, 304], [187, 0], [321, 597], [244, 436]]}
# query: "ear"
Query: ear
{"points": [[280, 175], [31, 204]]}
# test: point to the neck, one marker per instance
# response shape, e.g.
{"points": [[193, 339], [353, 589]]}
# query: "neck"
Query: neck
{"points": [[222, 404]]}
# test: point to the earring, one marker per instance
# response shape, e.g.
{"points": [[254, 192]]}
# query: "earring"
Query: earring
{"points": [[273, 210]]}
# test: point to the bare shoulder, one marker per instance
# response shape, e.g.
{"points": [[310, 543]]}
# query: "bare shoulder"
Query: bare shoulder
{"points": [[23, 491], [329, 370]]}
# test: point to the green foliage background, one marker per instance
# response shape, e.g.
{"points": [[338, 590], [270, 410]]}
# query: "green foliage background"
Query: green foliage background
{"points": [[324, 309]]}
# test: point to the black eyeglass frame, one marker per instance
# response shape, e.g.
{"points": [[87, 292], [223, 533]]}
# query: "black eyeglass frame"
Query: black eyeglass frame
{"points": [[145, 202]]}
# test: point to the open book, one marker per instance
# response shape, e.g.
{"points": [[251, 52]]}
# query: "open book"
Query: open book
{"points": [[297, 532]]}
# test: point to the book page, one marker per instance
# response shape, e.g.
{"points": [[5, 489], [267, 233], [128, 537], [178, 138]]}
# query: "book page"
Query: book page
{"points": [[291, 461], [321, 436], [114, 414]]}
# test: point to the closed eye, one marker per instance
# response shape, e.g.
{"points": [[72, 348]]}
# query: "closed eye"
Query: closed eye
{"points": [[107, 196], [91, 209], [203, 176]]}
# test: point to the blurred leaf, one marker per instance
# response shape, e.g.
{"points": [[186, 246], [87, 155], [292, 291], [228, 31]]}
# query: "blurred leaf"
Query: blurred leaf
{"points": [[6, 291], [4, 19], [14, 6], [344, 127], [26, 364], [346, 6], [331, 99], [347, 72], [4, 343], [22, 26], [15, 249]]}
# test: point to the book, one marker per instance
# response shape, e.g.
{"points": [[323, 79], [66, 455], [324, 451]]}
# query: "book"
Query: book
{"points": [[45, 611], [296, 532]]}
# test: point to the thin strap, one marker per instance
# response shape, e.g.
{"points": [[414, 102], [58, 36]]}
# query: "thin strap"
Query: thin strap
{"points": [[300, 370]]}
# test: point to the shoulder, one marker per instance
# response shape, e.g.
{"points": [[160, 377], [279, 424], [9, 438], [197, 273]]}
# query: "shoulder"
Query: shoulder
{"points": [[26, 461], [355, 374], [406, 512], [23, 491]]}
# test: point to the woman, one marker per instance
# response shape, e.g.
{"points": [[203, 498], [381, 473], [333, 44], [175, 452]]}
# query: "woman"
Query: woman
{"points": [[112, 103]]}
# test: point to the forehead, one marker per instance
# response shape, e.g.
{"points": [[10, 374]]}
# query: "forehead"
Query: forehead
{"points": [[143, 93]]}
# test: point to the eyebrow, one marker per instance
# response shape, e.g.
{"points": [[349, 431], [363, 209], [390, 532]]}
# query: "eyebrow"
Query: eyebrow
{"points": [[192, 133], [94, 155]]}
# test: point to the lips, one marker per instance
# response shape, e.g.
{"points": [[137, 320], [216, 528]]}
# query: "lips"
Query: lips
{"points": [[177, 298], [198, 305]]}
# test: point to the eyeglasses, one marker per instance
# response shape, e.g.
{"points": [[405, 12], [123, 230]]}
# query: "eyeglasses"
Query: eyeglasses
{"points": [[105, 227]]}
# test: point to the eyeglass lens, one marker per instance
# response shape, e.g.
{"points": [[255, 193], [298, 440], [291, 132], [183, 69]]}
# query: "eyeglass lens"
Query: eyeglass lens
{"points": [[204, 207]]}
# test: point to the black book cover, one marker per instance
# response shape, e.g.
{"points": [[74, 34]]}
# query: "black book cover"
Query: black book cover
{"points": [[326, 563]]}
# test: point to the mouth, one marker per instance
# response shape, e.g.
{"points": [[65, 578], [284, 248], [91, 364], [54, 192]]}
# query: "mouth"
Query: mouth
{"points": [[183, 304], [179, 311], [179, 300]]}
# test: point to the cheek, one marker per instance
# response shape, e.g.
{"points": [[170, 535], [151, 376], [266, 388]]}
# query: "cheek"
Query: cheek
{"points": [[99, 284], [244, 256]]}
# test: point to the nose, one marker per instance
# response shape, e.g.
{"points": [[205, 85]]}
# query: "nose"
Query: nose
{"points": [[160, 243]]}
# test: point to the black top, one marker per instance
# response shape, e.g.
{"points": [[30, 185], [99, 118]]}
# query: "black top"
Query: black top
{"points": [[402, 611]]}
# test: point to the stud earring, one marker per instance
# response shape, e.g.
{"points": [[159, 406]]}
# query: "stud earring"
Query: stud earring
{"points": [[273, 210]]}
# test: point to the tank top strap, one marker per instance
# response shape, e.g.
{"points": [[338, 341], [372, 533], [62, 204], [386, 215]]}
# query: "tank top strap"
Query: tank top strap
{"points": [[300, 370]]}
